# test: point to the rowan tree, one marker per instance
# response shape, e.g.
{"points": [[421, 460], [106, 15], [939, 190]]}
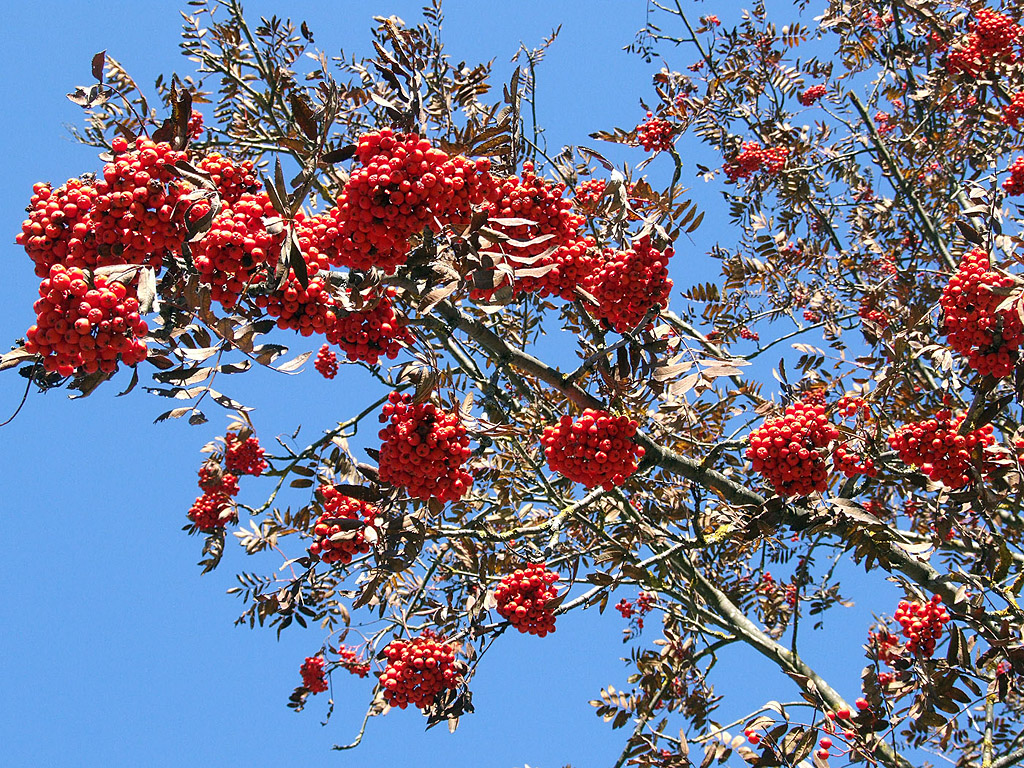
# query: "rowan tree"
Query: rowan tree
{"points": [[712, 458]]}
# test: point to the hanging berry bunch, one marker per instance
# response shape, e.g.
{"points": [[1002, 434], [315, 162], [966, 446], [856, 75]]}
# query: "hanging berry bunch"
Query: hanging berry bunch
{"points": [[629, 284], [423, 449], [523, 598], [787, 450], [314, 678], [340, 530], [938, 449], [244, 457], [417, 671], [596, 450]]}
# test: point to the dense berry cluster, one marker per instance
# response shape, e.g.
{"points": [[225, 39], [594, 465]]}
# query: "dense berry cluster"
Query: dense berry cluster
{"points": [[212, 510], [656, 134], [326, 362], [84, 325], [314, 678], [752, 157], [213, 479], [417, 671], [922, 624], [596, 449], [937, 448], [988, 338], [340, 530], [629, 284], [548, 255], [1014, 111], [787, 451], [238, 250], [991, 41], [523, 597], [244, 457], [403, 186], [1015, 184], [851, 406], [812, 94], [194, 129], [747, 333], [423, 449], [350, 660], [370, 333], [232, 178]]}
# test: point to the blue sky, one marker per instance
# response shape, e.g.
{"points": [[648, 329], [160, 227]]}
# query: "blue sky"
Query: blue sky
{"points": [[113, 649]]}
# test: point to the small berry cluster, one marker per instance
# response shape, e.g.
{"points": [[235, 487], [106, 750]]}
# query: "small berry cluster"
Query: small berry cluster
{"points": [[83, 326], [596, 449], [244, 457], [194, 129], [752, 157], [417, 671], [812, 94], [629, 284], [314, 678], [990, 41], [922, 624], [884, 646], [523, 596], [213, 479], [937, 449], [656, 134], [746, 333], [404, 185], [786, 449], [851, 407], [232, 179], [326, 362], [212, 510], [1015, 184], [869, 311], [642, 606], [852, 464], [350, 660], [423, 449], [988, 338], [1014, 111], [338, 539]]}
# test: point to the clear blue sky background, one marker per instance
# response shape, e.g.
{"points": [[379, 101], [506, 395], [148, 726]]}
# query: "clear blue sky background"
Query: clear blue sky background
{"points": [[113, 650]]}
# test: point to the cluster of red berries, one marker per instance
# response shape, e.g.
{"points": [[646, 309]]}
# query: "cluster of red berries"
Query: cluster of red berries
{"points": [[194, 129], [212, 510], [1014, 111], [371, 333], [232, 178], [988, 338], [219, 482], [869, 310], [523, 597], [937, 449], [786, 450], [752, 157], [746, 333], [629, 284], [553, 238], [314, 678], [244, 457], [644, 602], [1015, 184], [326, 362], [340, 530], [884, 646], [352, 662], [589, 194], [922, 624], [851, 406], [851, 463], [812, 94], [417, 671], [991, 41], [423, 449], [83, 326], [403, 186], [596, 449], [656, 134]]}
